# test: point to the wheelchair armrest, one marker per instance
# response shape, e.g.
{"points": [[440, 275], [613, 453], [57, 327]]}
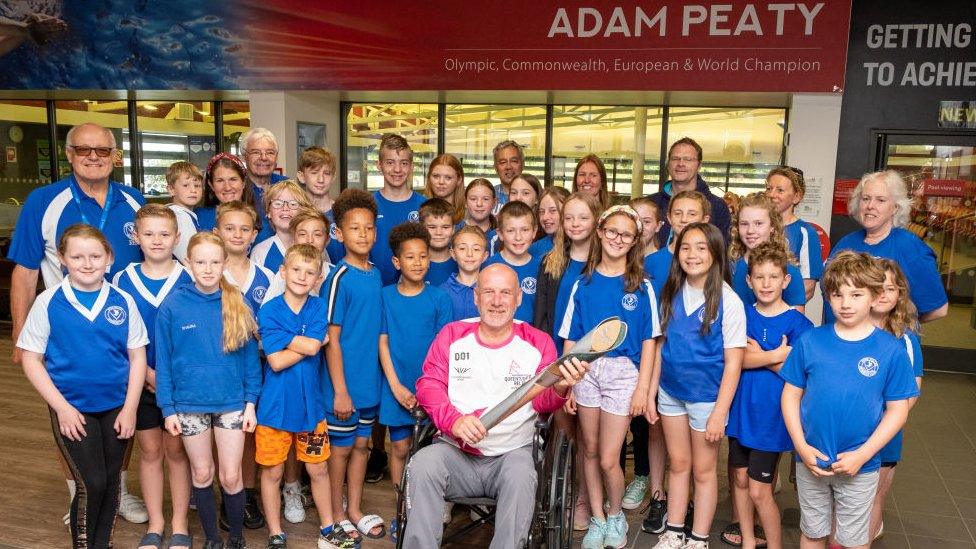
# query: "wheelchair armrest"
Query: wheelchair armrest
{"points": [[418, 414]]}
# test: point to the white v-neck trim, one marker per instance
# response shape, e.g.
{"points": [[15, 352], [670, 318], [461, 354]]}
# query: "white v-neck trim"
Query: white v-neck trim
{"points": [[247, 281], [154, 300], [185, 210], [93, 313]]}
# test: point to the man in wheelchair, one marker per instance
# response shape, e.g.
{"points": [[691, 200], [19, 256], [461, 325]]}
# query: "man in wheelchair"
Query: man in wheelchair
{"points": [[471, 366]]}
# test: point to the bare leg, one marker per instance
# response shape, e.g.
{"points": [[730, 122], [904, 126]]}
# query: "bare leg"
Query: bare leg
{"points": [[740, 500], [704, 456], [319, 475], [151, 476], [657, 452], [179, 481], [589, 433], [761, 495], [613, 431], [677, 435], [271, 496], [356, 476], [886, 477], [398, 459]]}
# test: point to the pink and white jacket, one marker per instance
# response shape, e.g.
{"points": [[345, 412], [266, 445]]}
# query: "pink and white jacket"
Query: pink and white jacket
{"points": [[462, 375]]}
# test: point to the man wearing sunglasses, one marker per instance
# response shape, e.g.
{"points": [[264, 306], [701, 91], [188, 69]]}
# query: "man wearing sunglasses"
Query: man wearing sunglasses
{"points": [[86, 195]]}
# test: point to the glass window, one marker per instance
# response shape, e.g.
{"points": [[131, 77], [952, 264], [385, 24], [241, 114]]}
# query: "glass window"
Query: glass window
{"points": [[237, 120], [740, 145], [472, 131], [627, 139], [173, 131], [110, 114], [25, 158], [366, 124]]}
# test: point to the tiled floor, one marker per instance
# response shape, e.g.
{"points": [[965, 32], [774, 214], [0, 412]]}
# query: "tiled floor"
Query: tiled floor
{"points": [[933, 504]]}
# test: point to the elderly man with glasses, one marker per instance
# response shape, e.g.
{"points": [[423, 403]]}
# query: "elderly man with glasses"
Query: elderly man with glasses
{"points": [[259, 149]]}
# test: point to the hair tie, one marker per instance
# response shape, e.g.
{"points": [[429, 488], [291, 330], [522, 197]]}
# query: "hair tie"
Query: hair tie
{"points": [[626, 210]]}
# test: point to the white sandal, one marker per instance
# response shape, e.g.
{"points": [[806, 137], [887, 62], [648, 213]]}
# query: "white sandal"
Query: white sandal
{"points": [[367, 523]]}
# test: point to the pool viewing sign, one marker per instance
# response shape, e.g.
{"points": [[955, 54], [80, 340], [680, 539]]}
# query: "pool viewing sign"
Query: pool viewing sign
{"points": [[440, 45]]}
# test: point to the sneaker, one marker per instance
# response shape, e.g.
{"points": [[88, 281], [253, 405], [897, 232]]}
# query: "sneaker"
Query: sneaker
{"points": [[253, 517], [277, 541], [236, 543], [670, 539], [657, 514], [594, 535], [581, 515], [133, 509], [334, 537], [294, 506], [448, 512], [616, 531], [375, 466], [635, 492], [695, 544]]}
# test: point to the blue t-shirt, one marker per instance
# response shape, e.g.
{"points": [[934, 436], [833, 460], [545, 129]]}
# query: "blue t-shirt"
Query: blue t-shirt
{"points": [[805, 245], [334, 248], [269, 253], [600, 297], [914, 257], [657, 266], [206, 218], [756, 416], [573, 270], [462, 299], [845, 386], [51, 209], [541, 247], [390, 214], [149, 294], [291, 399], [410, 323], [892, 451], [86, 349], [526, 275], [254, 286], [354, 299], [794, 294], [440, 271]]}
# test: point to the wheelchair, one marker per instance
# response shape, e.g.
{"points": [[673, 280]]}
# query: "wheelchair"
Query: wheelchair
{"points": [[553, 453]]}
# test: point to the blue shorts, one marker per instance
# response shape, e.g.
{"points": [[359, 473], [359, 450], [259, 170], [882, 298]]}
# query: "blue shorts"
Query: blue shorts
{"points": [[342, 434], [697, 412], [400, 432]]}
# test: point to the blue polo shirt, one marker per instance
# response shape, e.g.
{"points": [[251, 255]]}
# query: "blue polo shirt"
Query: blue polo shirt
{"points": [[440, 271], [462, 298], [389, 214], [51, 209], [291, 400], [149, 294], [845, 386]]}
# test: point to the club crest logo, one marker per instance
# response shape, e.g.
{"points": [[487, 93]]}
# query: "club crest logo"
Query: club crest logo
{"points": [[528, 285], [333, 231], [868, 366], [258, 293], [629, 302], [129, 229], [701, 316], [413, 216], [115, 315]]}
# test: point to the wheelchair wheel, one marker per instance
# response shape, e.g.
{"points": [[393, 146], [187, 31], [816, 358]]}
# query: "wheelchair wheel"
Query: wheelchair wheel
{"points": [[562, 487], [401, 508]]}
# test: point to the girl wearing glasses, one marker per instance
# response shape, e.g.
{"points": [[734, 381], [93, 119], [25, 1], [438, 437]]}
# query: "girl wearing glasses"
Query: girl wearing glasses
{"points": [[617, 386], [282, 201]]}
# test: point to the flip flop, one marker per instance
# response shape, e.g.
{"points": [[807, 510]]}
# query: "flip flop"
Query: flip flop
{"points": [[350, 530], [366, 525], [181, 540], [732, 529], [152, 539]]}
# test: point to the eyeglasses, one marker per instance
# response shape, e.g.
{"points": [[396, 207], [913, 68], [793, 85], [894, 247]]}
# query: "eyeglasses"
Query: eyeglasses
{"points": [[83, 150], [612, 234], [686, 159], [279, 204], [271, 153]]}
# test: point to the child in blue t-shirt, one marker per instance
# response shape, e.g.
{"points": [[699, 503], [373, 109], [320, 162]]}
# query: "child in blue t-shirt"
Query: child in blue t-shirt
{"points": [[757, 433], [469, 249], [436, 215], [316, 171], [479, 203], [404, 343], [208, 379], [685, 208], [895, 313], [352, 388], [617, 385], [516, 229], [291, 411], [149, 283], [696, 373], [757, 221], [395, 202], [785, 187], [84, 351], [847, 392]]}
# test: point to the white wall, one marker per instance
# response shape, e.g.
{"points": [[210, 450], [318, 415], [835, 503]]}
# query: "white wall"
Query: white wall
{"points": [[281, 111], [814, 128]]}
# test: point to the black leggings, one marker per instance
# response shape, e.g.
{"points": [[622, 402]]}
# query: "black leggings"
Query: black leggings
{"points": [[639, 431], [96, 463]]}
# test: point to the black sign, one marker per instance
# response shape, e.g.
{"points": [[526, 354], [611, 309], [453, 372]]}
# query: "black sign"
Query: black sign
{"points": [[957, 114]]}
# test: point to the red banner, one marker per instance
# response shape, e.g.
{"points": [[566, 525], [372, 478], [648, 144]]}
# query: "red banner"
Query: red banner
{"points": [[545, 45], [944, 187], [842, 193]]}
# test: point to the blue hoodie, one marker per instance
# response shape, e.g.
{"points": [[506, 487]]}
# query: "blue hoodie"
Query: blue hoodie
{"points": [[193, 374]]}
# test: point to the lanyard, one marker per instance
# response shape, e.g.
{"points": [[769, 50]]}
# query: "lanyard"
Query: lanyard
{"points": [[84, 218]]}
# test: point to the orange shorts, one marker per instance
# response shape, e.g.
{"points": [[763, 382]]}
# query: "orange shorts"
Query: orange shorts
{"points": [[273, 445]]}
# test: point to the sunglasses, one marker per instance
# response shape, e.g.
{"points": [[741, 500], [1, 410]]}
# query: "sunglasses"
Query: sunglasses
{"points": [[82, 150]]}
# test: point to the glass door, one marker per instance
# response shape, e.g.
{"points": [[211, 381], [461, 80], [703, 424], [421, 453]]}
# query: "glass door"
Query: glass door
{"points": [[941, 174]]}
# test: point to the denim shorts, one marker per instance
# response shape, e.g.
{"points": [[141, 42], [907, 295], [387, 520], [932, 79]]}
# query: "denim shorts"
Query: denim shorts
{"points": [[697, 412]]}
